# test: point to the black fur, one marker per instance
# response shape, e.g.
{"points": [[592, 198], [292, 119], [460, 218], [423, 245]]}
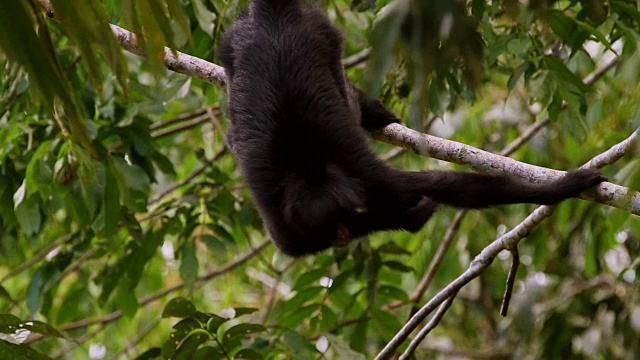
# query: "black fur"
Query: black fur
{"points": [[297, 130]]}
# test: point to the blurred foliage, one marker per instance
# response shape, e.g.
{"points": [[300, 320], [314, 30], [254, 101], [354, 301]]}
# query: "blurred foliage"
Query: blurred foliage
{"points": [[117, 193]]}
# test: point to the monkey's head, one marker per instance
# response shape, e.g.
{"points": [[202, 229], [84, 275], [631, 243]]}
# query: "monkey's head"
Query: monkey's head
{"points": [[315, 209]]}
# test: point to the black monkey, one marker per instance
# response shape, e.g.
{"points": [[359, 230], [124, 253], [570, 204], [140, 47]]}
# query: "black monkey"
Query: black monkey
{"points": [[297, 133]]}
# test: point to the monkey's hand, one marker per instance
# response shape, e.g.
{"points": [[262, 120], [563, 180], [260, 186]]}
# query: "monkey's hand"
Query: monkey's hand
{"points": [[418, 215], [576, 181], [375, 115]]}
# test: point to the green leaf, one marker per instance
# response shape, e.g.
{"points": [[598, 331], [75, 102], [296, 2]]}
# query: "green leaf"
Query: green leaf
{"points": [[299, 299], [126, 298], [35, 52], [386, 30], [137, 135], [294, 341], [28, 214], [153, 41], [309, 277], [559, 69], [358, 338], [153, 353], [298, 316], [87, 25], [517, 73], [176, 13], [239, 311], [215, 245], [340, 280], [562, 25], [39, 175], [41, 282], [393, 292], [189, 263], [222, 233], [396, 265], [137, 254], [622, 7], [248, 354], [4, 294], [179, 307], [22, 352], [180, 331], [328, 318], [92, 179], [602, 39], [206, 19], [393, 248], [29, 50], [208, 353], [108, 215], [241, 331], [387, 323], [342, 349], [163, 163], [12, 326], [190, 344], [133, 183], [214, 322]]}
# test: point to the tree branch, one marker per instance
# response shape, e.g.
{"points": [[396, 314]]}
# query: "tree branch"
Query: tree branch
{"points": [[511, 280], [507, 241], [482, 161], [427, 328], [396, 134]]}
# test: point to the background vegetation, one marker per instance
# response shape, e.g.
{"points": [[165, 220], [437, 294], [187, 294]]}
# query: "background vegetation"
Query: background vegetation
{"points": [[126, 232]]}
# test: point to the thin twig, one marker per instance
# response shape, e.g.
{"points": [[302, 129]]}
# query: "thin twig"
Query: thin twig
{"points": [[182, 117], [356, 59], [136, 340], [439, 256], [77, 342], [511, 279], [194, 174], [186, 126], [76, 265], [38, 256], [274, 292], [435, 320]]}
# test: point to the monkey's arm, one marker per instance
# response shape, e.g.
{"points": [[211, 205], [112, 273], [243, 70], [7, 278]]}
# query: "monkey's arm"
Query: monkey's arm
{"points": [[471, 190], [391, 217]]}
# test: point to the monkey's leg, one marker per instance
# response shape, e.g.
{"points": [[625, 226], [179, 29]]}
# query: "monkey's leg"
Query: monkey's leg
{"points": [[471, 190], [390, 218]]}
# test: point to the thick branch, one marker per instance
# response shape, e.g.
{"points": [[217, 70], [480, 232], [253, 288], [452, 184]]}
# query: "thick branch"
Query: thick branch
{"points": [[175, 60]]}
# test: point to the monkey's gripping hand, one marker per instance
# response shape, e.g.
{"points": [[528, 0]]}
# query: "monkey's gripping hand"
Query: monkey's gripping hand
{"points": [[574, 182]]}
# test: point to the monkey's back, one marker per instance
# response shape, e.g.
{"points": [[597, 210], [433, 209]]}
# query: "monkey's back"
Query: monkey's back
{"points": [[289, 111], [287, 92]]}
